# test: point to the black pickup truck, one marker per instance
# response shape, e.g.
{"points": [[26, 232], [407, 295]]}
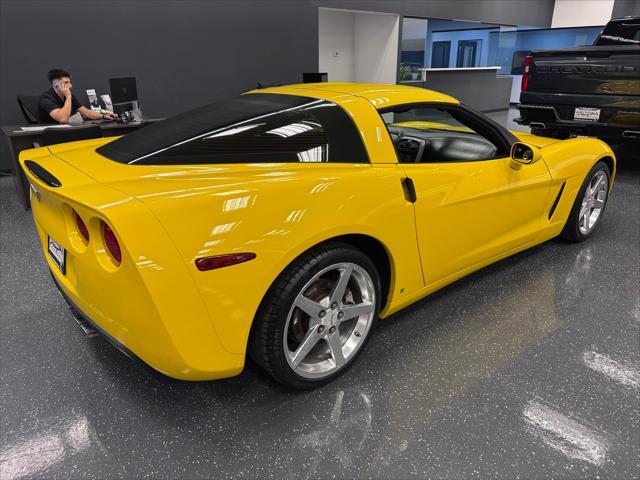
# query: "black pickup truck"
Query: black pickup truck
{"points": [[591, 90]]}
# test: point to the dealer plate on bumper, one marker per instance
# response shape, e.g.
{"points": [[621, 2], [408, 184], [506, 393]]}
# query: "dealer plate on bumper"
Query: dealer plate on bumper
{"points": [[586, 113], [57, 253]]}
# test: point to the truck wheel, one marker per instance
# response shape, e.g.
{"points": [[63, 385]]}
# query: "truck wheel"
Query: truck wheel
{"points": [[317, 316], [589, 204]]}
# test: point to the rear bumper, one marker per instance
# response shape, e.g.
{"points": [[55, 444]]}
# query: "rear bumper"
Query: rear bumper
{"points": [[172, 364], [546, 117], [619, 116], [77, 311]]}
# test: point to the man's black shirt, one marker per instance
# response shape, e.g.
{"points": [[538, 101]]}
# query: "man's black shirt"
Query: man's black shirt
{"points": [[50, 101]]}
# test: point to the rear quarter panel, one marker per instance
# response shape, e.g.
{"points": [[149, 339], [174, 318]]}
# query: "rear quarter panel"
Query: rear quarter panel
{"points": [[149, 303], [278, 211]]}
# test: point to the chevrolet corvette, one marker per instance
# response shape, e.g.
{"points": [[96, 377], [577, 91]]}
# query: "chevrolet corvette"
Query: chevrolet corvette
{"points": [[283, 223]]}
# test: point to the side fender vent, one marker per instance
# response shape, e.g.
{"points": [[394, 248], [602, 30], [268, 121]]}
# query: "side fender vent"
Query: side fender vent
{"points": [[555, 203]]}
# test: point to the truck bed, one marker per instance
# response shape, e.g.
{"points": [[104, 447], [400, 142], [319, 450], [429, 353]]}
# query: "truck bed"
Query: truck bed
{"points": [[591, 90]]}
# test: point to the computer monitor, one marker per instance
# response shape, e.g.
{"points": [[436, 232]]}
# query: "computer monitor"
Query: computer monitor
{"points": [[314, 77], [123, 90]]}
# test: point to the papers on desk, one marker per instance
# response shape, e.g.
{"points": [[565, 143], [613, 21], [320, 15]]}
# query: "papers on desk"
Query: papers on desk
{"points": [[40, 128]]}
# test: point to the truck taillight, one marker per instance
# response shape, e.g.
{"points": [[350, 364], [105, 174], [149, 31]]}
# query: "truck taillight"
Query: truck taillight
{"points": [[525, 75], [111, 242]]}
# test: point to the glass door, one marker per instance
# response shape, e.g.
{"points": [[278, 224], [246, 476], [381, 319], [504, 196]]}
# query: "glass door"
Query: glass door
{"points": [[440, 54], [467, 51]]}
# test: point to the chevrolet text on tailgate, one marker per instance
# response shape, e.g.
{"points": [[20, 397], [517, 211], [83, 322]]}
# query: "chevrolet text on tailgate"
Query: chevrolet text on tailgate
{"points": [[588, 68], [586, 91]]}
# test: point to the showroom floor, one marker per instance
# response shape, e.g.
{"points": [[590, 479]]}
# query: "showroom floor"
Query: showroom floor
{"points": [[527, 369]]}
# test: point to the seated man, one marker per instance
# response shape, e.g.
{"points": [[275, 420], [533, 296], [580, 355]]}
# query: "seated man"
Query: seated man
{"points": [[58, 103]]}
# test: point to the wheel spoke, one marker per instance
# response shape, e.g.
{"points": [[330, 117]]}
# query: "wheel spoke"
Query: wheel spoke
{"points": [[584, 210], [598, 203], [585, 218], [352, 311], [595, 187], [308, 306], [339, 289], [335, 345], [308, 342]]}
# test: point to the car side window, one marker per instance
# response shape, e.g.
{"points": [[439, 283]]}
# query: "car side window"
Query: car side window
{"points": [[316, 133], [435, 134]]}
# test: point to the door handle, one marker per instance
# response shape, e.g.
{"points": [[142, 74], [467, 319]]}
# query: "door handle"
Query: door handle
{"points": [[409, 190]]}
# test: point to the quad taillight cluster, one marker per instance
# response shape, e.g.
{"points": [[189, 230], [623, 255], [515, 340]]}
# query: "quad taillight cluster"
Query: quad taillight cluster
{"points": [[80, 225], [109, 239], [112, 246], [524, 86], [111, 242]]}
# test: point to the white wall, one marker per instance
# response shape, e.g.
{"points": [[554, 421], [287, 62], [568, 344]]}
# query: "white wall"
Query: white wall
{"points": [[336, 30], [358, 46], [581, 13], [376, 48], [414, 28]]}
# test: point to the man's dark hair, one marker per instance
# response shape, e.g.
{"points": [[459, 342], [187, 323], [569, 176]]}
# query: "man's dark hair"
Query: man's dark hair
{"points": [[57, 74]]}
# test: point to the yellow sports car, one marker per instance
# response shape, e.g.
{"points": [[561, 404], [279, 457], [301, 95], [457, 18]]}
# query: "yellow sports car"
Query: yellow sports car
{"points": [[284, 222]]}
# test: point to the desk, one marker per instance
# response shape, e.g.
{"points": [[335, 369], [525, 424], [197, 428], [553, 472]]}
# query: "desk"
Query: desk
{"points": [[18, 140]]}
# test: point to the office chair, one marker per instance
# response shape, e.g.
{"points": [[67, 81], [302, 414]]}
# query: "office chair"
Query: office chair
{"points": [[52, 136], [262, 85], [29, 107]]}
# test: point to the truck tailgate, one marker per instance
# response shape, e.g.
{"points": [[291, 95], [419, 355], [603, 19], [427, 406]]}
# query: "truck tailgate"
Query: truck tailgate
{"points": [[606, 70]]}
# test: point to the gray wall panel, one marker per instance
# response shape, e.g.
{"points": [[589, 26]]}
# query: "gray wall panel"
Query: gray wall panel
{"points": [[186, 53], [624, 8], [183, 53], [536, 13], [481, 89]]}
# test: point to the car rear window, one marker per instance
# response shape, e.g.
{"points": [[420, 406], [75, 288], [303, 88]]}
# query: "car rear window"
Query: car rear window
{"points": [[253, 128]]}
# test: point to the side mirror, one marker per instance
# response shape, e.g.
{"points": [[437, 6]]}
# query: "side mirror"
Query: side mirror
{"points": [[524, 154]]}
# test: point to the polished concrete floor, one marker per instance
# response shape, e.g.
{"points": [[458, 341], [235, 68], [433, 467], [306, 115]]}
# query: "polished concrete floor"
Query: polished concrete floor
{"points": [[527, 369]]}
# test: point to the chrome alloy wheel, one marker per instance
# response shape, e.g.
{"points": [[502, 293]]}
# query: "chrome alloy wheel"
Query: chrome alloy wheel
{"points": [[595, 197], [329, 320]]}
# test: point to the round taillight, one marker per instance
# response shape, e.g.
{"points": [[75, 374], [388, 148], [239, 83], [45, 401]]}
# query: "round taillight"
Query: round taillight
{"points": [[111, 242], [80, 225]]}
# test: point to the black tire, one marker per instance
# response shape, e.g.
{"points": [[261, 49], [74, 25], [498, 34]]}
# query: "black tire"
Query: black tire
{"points": [[266, 339], [571, 231]]}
